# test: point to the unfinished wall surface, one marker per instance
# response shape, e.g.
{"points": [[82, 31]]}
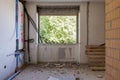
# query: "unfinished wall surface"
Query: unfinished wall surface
{"points": [[31, 8], [7, 38], [83, 32], [58, 53], [112, 39], [96, 27], [35, 49], [96, 23]]}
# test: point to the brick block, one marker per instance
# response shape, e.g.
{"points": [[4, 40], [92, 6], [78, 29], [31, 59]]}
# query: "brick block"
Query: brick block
{"points": [[112, 39]]}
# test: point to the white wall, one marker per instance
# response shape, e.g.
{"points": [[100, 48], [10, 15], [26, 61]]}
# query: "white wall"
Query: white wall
{"points": [[94, 7], [83, 32], [96, 26], [31, 7], [7, 38], [96, 23]]}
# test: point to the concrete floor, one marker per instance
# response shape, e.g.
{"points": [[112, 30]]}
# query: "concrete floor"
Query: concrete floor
{"points": [[59, 72]]}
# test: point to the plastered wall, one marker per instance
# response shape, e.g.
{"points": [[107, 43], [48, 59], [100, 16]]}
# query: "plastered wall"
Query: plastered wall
{"points": [[96, 23], [96, 29], [96, 26], [83, 32], [7, 38]]}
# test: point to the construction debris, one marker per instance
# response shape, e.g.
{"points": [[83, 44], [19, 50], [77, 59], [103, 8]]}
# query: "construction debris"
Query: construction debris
{"points": [[77, 79], [100, 76], [52, 78], [59, 65], [52, 71]]}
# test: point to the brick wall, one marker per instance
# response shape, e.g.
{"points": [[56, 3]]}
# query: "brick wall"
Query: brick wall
{"points": [[112, 39]]}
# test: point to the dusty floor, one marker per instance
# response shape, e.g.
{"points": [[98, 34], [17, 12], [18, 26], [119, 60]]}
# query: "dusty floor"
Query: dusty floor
{"points": [[59, 72]]}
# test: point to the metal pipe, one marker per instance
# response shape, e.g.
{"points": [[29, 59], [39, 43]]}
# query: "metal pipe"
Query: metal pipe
{"points": [[88, 23], [28, 44], [13, 76]]}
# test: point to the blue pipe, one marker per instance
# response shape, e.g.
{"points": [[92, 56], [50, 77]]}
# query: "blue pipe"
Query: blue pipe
{"points": [[17, 40], [13, 76], [17, 43]]}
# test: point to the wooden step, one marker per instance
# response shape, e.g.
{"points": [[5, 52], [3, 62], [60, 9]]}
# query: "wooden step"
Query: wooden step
{"points": [[101, 65], [95, 50], [95, 53], [96, 60], [96, 57], [97, 64], [98, 68], [95, 47]]}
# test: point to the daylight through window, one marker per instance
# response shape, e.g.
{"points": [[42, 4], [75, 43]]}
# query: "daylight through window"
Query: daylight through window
{"points": [[58, 29]]}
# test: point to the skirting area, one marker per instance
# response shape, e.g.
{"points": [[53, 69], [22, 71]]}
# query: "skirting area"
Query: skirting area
{"points": [[59, 72]]}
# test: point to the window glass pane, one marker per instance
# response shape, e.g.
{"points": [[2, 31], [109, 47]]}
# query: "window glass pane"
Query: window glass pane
{"points": [[58, 29]]}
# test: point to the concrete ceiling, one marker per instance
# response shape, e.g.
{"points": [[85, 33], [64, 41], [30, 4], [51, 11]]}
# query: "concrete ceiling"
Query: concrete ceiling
{"points": [[64, 0]]}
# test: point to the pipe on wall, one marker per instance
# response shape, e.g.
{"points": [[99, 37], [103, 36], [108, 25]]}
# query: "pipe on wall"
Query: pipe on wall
{"points": [[88, 3], [13, 76]]}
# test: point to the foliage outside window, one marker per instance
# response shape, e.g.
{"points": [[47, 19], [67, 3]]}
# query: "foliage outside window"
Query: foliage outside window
{"points": [[58, 29]]}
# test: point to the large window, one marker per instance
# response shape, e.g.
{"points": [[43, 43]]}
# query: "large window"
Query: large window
{"points": [[58, 29], [58, 24]]}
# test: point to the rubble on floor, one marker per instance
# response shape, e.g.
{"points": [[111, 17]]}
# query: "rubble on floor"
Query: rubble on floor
{"points": [[59, 71], [52, 78]]}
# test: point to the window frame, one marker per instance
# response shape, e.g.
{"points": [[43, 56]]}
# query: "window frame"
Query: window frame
{"points": [[77, 29]]}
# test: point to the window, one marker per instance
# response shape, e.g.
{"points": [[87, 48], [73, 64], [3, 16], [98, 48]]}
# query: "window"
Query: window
{"points": [[58, 29], [58, 25]]}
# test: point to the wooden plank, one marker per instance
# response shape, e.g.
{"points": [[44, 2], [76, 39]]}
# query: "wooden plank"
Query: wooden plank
{"points": [[96, 53], [97, 60], [95, 50], [97, 64], [93, 65], [98, 68], [95, 46], [91, 61], [96, 56], [89, 47]]}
